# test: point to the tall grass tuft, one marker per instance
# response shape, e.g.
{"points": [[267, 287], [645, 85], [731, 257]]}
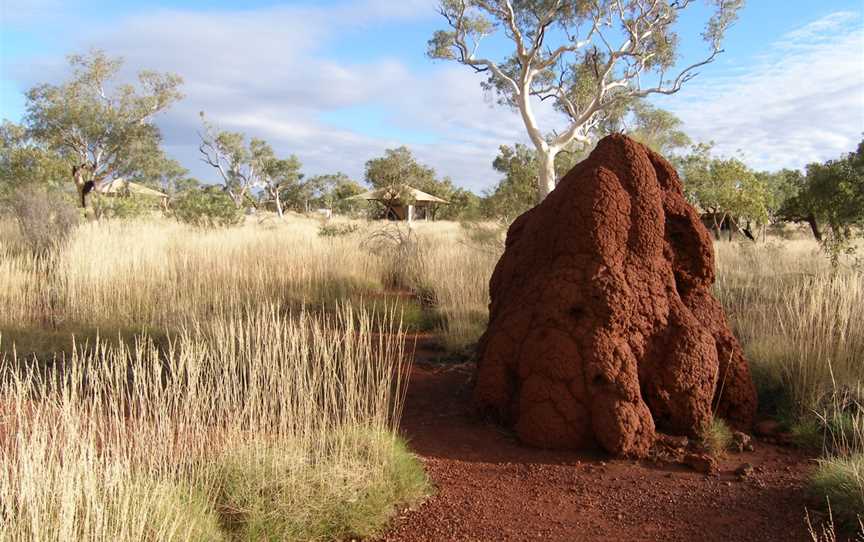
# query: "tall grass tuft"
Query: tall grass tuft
{"points": [[259, 425]]}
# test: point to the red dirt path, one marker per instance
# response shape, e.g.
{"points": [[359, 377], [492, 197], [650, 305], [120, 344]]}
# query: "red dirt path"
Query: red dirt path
{"points": [[489, 487]]}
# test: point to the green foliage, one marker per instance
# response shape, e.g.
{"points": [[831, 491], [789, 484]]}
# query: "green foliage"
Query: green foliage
{"points": [[46, 218], [833, 194], [96, 124], [228, 154], [24, 161], [180, 507], [660, 130], [155, 170], [337, 230], [206, 208], [398, 169], [840, 480], [517, 191], [783, 187], [281, 177], [333, 191], [258, 500], [725, 188], [464, 204], [124, 207], [718, 437]]}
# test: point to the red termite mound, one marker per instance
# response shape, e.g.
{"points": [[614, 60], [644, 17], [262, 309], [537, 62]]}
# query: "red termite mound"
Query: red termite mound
{"points": [[602, 326]]}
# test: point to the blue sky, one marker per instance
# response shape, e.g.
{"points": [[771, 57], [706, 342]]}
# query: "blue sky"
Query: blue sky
{"points": [[336, 82]]}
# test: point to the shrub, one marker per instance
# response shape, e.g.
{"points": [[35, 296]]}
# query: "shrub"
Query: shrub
{"points": [[337, 230], [400, 254], [46, 218], [119, 206], [261, 496], [206, 209], [717, 438], [840, 480]]}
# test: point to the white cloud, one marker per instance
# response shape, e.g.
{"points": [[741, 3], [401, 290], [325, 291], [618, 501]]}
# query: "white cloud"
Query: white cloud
{"points": [[802, 101], [266, 72], [263, 72]]}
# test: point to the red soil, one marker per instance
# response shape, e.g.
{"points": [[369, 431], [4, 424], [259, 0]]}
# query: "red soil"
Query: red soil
{"points": [[602, 326], [491, 488]]}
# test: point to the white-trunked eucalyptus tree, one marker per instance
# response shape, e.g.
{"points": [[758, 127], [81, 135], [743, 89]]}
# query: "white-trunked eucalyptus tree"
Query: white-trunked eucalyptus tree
{"points": [[99, 126], [587, 56], [240, 167]]}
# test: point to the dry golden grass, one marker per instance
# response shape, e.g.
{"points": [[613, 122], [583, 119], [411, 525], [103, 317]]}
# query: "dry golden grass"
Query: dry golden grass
{"points": [[224, 295], [258, 426]]}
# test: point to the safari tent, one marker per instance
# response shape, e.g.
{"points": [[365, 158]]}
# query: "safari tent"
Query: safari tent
{"points": [[122, 187], [403, 202]]}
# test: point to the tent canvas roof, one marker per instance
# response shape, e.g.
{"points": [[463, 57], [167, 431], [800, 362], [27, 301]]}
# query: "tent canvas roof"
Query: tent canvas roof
{"points": [[392, 193], [117, 186]]}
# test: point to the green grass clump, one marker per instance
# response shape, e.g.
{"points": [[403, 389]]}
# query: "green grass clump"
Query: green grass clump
{"points": [[717, 438], [352, 491], [174, 511], [840, 480]]}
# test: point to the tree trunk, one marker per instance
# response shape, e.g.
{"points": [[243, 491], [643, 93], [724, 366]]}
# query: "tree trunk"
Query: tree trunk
{"points": [[717, 226], [80, 184], [278, 199], [546, 178], [811, 219]]}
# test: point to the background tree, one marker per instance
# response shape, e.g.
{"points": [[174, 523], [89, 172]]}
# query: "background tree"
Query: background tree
{"points": [[95, 123], [398, 169], [563, 51], [832, 193], [297, 193], [236, 164], [783, 187], [726, 189], [154, 169], [657, 128], [464, 205], [26, 162], [334, 191], [517, 191], [277, 175]]}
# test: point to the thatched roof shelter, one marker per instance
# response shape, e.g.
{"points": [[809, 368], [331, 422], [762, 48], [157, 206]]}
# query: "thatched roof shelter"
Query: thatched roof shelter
{"points": [[122, 187], [404, 202]]}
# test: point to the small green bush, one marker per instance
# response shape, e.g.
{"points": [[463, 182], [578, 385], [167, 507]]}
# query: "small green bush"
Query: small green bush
{"points": [[717, 438], [206, 208], [120, 206], [337, 230], [840, 480], [174, 511], [351, 490]]}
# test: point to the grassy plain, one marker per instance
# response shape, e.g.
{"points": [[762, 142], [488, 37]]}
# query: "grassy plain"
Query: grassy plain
{"points": [[246, 382]]}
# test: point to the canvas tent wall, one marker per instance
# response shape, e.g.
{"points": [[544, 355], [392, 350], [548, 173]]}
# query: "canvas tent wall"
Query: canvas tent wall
{"points": [[122, 187]]}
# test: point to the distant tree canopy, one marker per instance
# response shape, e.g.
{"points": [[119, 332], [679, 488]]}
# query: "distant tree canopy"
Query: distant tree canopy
{"points": [[726, 189], [517, 190], [97, 125], [27, 162], [658, 129], [830, 197], [333, 192], [588, 58], [398, 168]]}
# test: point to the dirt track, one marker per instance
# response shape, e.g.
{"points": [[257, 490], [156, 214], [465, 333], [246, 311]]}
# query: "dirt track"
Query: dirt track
{"points": [[491, 488]]}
